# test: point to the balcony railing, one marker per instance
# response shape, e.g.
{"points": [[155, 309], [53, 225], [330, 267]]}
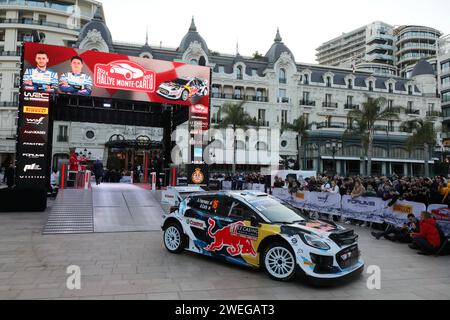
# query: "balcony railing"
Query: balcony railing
{"points": [[283, 100], [262, 123], [238, 97], [256, 98], [215, 120], [9, 104], [307, 103], [351, 106], [62, 138], [412, 111], [338, 125], [39, 23], [10, 53], [434, 114], [329, 105]]}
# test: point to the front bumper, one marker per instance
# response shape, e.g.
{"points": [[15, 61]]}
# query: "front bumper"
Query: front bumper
{"points": [[328, 266], [168, 95], [335, 279]]}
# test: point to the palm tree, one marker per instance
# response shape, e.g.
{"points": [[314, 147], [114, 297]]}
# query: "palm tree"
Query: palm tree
{"points": [[424, 134], [372, 111], [237, 118], [358, 128], [300, 127]]}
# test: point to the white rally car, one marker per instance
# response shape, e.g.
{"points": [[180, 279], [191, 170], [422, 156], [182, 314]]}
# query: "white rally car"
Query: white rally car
{"points": [[183, 88], [253, 229]]}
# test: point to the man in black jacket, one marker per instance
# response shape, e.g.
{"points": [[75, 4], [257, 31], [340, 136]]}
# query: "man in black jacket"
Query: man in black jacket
{"points": [[403, 234]]}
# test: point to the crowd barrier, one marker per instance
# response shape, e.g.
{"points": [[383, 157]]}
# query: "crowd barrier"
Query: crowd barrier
{"points": [[235, 185], [369, 209]]}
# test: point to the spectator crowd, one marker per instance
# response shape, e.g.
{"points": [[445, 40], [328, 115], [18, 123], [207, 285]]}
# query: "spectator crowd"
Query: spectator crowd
{"points": [[416, 189]]}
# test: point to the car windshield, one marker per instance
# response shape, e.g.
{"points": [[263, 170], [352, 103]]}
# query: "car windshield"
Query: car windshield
{"points": [[180, 81], [277, 211]]}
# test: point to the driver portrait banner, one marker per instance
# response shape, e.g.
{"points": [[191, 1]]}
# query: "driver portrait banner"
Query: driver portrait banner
{"points": [[368, 209], [71, 71]]}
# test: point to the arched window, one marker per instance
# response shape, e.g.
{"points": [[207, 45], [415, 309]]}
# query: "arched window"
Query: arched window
{"points": [[391, 88], [328, 81], [350, 83], [193, 61], [370, 85], [239, 73], [282, 76], [261, 146], [202, 61]]}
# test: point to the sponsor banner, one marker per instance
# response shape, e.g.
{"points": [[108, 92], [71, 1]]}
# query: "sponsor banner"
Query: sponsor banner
{"points": [[397, 213], [32, 154], [35, 110], [432, 207], [324, 202], [282, 193], [368, 209], [300, 199], [52, 69]]}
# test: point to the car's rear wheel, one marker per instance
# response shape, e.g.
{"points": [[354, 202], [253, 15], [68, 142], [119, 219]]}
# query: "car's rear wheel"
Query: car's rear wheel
{"points": [[174, 238], [279, 261], [184, 95]]}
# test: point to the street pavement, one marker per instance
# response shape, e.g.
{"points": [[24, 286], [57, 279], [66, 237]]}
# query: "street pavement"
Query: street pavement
{"points": [[135, 265]]}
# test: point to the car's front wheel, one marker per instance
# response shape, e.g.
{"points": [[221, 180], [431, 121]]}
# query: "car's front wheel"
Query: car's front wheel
{"points": [[279, 261], [184, 95], [173, 238]]}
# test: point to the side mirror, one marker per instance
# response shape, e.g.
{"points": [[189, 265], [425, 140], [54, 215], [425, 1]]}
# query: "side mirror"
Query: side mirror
{"points": [[254, 221]]}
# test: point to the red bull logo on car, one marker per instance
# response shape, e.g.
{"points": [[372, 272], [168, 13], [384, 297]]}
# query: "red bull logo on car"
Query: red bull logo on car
{"points": [[236, 237]]}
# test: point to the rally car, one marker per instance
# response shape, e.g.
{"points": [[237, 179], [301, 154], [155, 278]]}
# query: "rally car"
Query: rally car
{"points": [[183, 88], [257, 230]]}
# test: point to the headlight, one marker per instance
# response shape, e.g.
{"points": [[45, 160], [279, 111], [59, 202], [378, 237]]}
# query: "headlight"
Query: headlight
{"points": [[314, 241]]}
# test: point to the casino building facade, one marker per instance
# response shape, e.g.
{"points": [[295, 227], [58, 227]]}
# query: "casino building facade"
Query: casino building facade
{"points": [[275, 90]]}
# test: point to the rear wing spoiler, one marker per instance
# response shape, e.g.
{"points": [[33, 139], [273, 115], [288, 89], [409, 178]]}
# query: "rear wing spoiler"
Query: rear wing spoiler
{"points": [[174, 195]]}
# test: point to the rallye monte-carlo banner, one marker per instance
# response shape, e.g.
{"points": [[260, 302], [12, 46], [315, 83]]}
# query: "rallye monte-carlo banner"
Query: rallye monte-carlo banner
{"points": [[63, 70]]}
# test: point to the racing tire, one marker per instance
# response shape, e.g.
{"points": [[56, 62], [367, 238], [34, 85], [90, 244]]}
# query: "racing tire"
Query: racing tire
{"points": [[279, 261], [184, 95], [174, 238]]}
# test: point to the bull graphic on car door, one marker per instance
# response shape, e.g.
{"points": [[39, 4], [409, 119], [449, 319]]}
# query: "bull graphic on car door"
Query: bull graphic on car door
{"points": [[236, 237]]}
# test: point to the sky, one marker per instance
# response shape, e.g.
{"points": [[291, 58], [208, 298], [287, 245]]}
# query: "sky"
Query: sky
{"points": [[304, 25]]}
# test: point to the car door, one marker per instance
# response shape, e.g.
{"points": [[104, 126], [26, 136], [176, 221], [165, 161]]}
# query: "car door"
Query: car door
{"points": [[231, 233], [202, 208]]}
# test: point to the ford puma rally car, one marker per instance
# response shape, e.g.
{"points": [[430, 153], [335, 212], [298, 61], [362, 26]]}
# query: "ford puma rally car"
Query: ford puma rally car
{"points": [[254, 229], [183, 88]]}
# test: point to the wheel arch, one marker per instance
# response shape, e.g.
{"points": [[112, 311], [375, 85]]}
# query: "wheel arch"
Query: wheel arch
{"points": [[170, 220], [271, 239]]}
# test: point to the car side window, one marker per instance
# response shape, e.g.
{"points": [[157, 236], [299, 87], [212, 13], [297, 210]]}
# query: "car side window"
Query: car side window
{"points": [[239, 210]]}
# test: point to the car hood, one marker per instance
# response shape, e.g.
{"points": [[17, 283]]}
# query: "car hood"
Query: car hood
{"points": [[316, 227], [170, 86]]}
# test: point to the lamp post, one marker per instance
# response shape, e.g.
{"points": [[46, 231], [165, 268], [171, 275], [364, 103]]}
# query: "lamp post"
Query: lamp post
{"points": [[334, 146]]}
